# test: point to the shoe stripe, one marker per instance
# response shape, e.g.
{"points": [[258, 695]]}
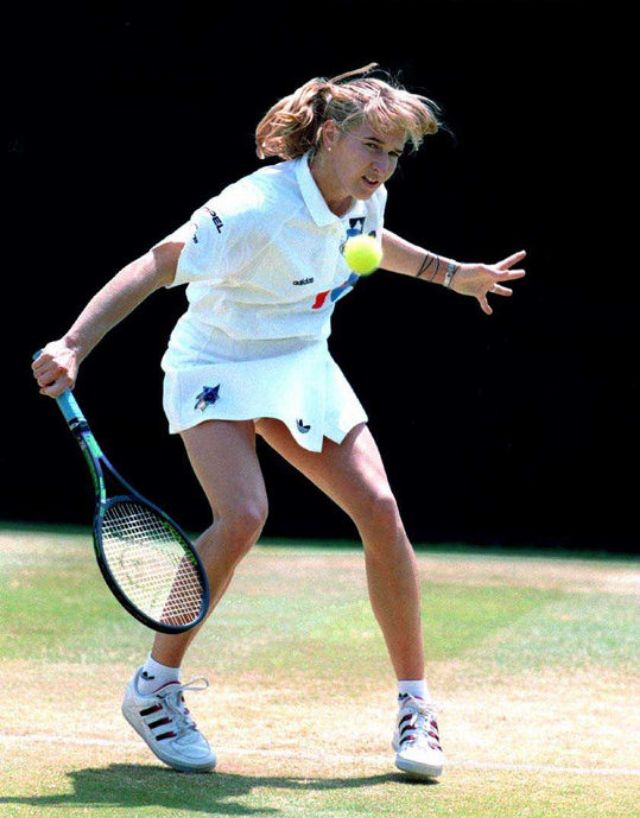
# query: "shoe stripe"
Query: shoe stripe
{"points": [[162, 736], [159, 722], [407, 728], [149, 710]]}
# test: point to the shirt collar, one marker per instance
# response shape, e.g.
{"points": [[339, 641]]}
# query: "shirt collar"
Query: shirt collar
{"points": [[313, 198]]}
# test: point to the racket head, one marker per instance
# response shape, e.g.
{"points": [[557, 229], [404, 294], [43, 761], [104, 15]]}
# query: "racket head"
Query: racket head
{"points": [[150, 564]]}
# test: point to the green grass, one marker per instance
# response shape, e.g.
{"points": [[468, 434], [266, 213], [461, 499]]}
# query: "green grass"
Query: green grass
{"points": [[531, 672], [572, 632], [131, 791], [76, 615]]}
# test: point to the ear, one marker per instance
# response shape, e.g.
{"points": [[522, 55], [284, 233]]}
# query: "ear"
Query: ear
{"points": [[330, 134]]}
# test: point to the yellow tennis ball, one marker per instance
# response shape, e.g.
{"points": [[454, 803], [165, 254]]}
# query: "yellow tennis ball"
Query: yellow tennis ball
{"points": [[363, 254]]}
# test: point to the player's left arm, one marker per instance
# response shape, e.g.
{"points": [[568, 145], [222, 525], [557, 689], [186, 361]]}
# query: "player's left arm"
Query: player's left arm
{"points": [[401, 256]]}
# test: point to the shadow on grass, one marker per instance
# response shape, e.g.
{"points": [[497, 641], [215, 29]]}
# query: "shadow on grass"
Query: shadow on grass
{"points": [[133, 785]]}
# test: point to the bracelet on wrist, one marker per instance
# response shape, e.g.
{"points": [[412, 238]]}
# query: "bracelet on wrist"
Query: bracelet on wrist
{"points": [[452, 269], [427, 261]]}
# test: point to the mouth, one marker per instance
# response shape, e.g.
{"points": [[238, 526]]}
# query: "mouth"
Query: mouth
{"points": [[372, 184]]}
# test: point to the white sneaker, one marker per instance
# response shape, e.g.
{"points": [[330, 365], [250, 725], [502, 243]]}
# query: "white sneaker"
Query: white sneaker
{"points": [[163, 721], [416, 740]]}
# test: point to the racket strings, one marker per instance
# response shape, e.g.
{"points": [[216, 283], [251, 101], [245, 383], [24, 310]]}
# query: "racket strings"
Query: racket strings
{"points": [[150, 562]]}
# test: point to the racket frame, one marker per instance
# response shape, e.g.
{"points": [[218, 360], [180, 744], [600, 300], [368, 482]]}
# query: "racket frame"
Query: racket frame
{"points": [[96, 460]]}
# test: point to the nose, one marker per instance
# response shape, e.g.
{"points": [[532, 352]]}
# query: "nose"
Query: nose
{"points": [[383, 165]]}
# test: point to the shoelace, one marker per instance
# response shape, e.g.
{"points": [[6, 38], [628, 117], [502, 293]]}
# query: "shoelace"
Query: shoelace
{"points": [[173, 702], [419, 723]]}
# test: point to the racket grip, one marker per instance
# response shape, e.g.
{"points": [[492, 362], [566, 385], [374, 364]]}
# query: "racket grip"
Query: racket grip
{"points": [[69, 406], [66, 402]]}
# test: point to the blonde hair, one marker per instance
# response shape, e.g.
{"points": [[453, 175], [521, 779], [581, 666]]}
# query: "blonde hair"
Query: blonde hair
{"points": [[293, 125]]}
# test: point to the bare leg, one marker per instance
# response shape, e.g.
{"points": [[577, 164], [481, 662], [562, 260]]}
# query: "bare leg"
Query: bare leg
{"points": [[225, 462], [352, 474]]}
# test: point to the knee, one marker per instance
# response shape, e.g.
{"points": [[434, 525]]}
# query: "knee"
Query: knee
{"points": [[382, 514], [243, 523], [237, 529]]}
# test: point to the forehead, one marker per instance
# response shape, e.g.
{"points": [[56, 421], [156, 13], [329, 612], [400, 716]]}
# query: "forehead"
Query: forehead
{"points": [[393, 140]]}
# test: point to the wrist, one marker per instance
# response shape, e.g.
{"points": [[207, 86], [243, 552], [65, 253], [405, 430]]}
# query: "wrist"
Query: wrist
{"points": [[73, 342], [452, 268], [438, 269]]}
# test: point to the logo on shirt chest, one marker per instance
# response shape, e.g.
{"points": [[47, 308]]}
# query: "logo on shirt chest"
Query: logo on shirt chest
{"points": [[356, 228], [303, 281]]}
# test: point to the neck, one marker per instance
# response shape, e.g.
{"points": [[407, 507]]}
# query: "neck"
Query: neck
{"points": [[337, 201]]}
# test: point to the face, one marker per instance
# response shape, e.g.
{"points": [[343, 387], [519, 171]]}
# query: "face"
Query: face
{"points": [[361, 159]]}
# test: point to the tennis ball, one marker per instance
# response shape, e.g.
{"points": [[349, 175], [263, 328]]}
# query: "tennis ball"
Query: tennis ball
{"points": [[363, 254]]}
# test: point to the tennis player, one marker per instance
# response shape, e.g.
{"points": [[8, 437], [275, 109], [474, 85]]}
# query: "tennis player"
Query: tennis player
{"points": [[263, 264]]}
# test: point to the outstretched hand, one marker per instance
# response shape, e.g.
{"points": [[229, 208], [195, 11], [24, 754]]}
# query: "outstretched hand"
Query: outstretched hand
{"points": [[479, 279]]}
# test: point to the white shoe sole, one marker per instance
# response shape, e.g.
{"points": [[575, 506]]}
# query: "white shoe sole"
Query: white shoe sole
{"points": [[417, 770], [182, 767]]}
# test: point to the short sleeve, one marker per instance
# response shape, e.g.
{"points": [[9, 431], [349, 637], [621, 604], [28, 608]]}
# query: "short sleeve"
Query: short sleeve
{"points": [[223, 236]]}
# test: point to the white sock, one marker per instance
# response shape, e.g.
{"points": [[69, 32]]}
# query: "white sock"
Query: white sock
{"points": [[414, 687], [155, 675]]}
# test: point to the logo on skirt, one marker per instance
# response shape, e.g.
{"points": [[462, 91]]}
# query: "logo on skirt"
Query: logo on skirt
{"points": [[207, 397], [302, 428]]}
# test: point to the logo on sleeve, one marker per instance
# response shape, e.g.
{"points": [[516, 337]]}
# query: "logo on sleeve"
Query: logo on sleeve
{"points": [[215, 218]]}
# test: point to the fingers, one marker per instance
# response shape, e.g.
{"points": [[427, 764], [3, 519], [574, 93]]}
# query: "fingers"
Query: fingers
{"points": [[48, 373], [54, 386], [501, 272], [512, 259], [52, 377], [484, 304], [55, 389], [40, 362]]}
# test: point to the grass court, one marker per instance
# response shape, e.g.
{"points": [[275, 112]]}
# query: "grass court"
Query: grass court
{"points": [[533, 660]]}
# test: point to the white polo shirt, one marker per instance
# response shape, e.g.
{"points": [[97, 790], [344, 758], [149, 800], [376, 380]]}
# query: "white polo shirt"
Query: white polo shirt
{"points": [[263, 259], [263, 266]]}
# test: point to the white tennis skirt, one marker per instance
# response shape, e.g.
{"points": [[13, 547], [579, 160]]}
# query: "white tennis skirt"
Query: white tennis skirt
{"points": [[210, 376]]}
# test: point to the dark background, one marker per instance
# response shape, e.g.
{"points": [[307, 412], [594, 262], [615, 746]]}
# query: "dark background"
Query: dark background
{"points": [[515, 429]]}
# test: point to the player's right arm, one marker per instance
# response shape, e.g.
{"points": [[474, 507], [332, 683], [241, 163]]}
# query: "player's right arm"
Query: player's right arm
{"points": [[56, 369]]}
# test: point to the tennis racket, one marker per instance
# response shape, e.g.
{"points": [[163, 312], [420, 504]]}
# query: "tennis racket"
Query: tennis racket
{"points": [[147, 561]]}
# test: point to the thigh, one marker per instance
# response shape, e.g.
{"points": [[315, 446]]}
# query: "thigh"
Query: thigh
{"points": [[351, 473], [224, 459]]}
